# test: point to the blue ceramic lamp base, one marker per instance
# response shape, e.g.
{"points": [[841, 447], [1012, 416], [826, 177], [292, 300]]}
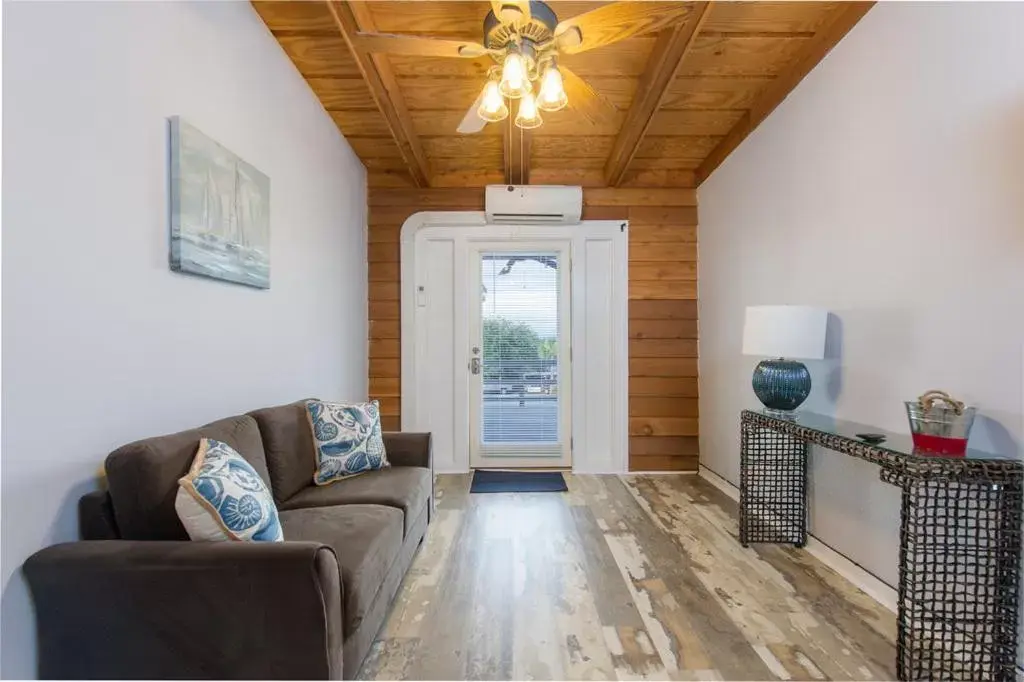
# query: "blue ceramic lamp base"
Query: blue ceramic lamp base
{"points": [[781, 385]]}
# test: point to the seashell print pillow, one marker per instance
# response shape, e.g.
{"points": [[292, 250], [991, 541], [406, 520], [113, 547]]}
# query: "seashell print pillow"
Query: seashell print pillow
{"points": [[223, 498], [347, 439]]}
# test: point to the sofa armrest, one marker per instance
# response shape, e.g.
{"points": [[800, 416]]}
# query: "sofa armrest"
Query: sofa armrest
{"points": [[219, 610], [96, 517], [408, 449]]}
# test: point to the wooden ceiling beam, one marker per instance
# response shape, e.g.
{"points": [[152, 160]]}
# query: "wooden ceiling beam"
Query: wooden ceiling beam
{"points": [[668, 54], [352, 18], [835, 28]]}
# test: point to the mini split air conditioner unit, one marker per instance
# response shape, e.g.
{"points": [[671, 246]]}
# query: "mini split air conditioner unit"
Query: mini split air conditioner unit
{"points": [[535, 204]]}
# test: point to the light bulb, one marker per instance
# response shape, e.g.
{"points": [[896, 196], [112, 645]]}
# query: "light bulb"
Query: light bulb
{"points": [[552, 93], [528, 116], [492, 105], [513, 76]]}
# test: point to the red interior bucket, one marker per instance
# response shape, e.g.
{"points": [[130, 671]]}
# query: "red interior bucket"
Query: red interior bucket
{"points": [[939, 445]]}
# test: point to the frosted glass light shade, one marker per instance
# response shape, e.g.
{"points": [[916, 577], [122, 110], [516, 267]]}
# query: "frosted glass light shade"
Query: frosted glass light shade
{"points": [[492, 105], [785, 331], [528, 116], [552, 95], [515, 80]]}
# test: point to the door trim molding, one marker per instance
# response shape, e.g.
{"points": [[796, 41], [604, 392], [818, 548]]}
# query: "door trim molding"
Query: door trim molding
{"points": [[455, 225]]}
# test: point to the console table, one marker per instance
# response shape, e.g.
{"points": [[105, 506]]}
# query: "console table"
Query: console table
{"points": [[960, 536]]}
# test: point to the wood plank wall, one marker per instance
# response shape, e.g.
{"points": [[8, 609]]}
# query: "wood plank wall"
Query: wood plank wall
{"points": [[662, 309]]}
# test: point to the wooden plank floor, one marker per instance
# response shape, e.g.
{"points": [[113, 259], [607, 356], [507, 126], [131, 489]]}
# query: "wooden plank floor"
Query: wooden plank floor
{"points": [[632, 577]]}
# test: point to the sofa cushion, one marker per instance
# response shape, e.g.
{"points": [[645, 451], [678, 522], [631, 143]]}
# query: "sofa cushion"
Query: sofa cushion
{"points": [[348, 439], [143, 476], [366, 538], [405, 488], [222, 498], [288, 441]]}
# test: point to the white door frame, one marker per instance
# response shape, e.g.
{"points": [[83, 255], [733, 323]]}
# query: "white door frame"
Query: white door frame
{"points": [[562, 458], [600, 360]]}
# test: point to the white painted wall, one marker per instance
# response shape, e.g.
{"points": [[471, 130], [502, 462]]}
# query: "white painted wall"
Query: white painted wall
{"points": [[102, 344], [888, 188]]}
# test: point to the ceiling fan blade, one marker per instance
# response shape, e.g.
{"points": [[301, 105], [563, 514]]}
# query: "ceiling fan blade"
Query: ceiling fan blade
{"points": [[418, 47], [584, 99], [515, 11], [471, 122], [616, 21]]}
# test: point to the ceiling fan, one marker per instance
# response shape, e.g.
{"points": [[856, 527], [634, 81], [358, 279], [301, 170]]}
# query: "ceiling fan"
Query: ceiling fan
{"points": [[525, 40]]}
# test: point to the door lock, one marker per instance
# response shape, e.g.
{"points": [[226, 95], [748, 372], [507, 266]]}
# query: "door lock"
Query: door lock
{"points": [[474, 365]]}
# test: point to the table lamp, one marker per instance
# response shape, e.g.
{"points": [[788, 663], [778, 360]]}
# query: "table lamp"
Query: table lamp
{"points": [[784, 332]]}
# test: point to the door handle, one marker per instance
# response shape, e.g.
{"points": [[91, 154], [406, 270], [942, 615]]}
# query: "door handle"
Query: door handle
{"points": [[474, 365]]}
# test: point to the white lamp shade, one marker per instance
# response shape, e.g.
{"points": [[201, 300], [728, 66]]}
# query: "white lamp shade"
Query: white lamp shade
{"points": [[785, 331]]}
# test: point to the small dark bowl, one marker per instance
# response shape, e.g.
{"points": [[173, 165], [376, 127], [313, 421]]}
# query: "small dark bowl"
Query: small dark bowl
{"points": [[872, 437]]}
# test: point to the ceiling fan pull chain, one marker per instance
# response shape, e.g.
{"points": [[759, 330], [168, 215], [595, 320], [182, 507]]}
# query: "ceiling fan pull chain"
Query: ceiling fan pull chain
{"points": [[522, 162]]}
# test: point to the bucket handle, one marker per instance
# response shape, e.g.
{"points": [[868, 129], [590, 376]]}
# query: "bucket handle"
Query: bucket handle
{"points": [[928, 399]]}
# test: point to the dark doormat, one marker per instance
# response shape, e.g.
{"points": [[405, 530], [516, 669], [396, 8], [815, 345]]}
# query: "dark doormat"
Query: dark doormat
{"points": [[517, 482]]}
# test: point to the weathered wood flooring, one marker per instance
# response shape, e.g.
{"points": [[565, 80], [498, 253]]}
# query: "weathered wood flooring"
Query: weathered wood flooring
{"points": [[633, 577]]}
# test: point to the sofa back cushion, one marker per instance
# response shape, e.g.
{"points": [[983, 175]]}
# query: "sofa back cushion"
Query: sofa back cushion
{"points": [[288, 440], [143, 476]]}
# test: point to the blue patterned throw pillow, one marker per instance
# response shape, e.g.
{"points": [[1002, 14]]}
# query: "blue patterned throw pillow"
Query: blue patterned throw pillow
{"points": [[223, 498], [347, 438]]}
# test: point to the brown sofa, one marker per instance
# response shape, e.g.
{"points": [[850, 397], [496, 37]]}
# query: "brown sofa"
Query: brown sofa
{"points": [[136, 599]]}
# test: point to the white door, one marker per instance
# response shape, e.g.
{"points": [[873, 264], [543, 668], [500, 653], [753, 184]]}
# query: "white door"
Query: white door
{"points": [[520, 368]]}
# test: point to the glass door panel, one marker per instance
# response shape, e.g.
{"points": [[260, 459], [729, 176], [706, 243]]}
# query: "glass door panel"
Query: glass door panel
{"points": [[520, 359]]}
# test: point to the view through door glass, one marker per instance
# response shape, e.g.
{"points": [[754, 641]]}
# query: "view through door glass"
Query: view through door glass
{"points": [[520, 315]]}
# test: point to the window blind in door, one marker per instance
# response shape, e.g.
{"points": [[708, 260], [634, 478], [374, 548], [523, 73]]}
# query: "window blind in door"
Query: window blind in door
{"points": [[520, 334]]}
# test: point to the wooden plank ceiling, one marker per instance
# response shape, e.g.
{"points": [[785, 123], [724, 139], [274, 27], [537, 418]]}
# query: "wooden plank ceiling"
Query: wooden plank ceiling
{"points": [[683, 97]]}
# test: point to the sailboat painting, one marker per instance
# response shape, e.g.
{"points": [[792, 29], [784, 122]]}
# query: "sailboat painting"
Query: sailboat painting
{"points": [[220, 211]]}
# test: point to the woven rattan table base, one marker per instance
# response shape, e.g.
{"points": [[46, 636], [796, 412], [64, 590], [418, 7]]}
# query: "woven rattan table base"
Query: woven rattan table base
{"points": [[960, 543]]}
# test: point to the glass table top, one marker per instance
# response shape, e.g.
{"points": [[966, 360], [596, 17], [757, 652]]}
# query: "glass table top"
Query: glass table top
{"points": [[895, 443]]}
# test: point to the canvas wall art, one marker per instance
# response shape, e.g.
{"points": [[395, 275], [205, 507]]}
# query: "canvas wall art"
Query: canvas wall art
{"points": [[220, 211]]}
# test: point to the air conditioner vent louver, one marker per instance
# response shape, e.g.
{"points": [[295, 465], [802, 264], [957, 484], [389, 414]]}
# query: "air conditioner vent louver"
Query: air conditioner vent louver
{"points": [[538, 217], [536, 204]]}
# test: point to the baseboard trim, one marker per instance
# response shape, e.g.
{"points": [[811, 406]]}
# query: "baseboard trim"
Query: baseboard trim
{"points": [[864, 580]]}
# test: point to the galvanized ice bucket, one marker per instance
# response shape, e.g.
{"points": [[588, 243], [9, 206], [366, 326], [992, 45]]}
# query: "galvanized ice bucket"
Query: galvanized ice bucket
{"points": [[939, 424]]}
